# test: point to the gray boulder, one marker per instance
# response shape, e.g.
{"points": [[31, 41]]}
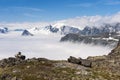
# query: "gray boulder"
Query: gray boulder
{"points": [[80, 61], [74, 60]]}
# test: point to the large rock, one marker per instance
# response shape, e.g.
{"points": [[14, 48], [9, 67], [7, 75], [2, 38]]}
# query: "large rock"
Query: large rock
{"points": [[80, 61], [74, 60]]}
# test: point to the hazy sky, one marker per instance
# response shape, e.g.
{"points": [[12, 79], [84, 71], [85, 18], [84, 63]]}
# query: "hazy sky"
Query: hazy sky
{"points": [[52, 10]]}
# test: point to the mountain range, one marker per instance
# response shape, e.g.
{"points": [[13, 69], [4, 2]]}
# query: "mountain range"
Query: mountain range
{"points": [[105, 30], [90, 34]]}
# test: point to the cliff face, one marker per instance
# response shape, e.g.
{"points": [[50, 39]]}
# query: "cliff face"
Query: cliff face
{"points": [[105, 67]]}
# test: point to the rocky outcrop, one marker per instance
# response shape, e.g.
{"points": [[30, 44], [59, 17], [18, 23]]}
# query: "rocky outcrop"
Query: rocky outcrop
{"points": [[80, 61], [68, 29], [11, 61], [18, 59]]}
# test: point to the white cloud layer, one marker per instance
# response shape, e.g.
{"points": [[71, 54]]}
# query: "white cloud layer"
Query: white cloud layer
{"points": [[97, 20], [47, 46], [79, 22]]}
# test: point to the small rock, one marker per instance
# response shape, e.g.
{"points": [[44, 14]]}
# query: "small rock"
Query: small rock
{"points": [[78, 73], [28, 67]]}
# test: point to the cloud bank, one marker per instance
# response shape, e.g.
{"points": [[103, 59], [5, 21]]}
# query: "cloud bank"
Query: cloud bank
{"points": [[79, 22], [47, 46]]}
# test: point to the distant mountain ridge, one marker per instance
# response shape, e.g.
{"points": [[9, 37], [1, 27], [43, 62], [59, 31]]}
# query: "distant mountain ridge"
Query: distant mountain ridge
{"points": [[107, 34], [104, 30]]}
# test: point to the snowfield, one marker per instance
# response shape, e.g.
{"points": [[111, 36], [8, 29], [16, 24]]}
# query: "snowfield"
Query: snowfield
{"points": [[46, 45]]}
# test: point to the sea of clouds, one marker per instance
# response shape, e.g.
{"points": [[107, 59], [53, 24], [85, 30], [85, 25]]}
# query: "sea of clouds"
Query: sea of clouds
{"points": [[47, 46]]}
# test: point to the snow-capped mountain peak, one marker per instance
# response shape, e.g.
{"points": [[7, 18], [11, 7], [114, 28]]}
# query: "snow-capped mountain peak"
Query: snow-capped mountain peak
{"points": [[58, 24], [3, 30]]}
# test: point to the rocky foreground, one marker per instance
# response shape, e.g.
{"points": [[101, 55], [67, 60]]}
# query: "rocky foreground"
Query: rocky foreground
{"points": [[105, 67]]}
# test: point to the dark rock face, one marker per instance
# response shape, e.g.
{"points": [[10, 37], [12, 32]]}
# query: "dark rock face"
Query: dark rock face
{"points": [[67, 29], [26, 33], [88, 40], [71, 37], [52, 29]]}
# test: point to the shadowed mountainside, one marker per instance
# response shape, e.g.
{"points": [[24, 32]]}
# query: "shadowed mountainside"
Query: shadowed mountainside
{"points": [[90, 40]]}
